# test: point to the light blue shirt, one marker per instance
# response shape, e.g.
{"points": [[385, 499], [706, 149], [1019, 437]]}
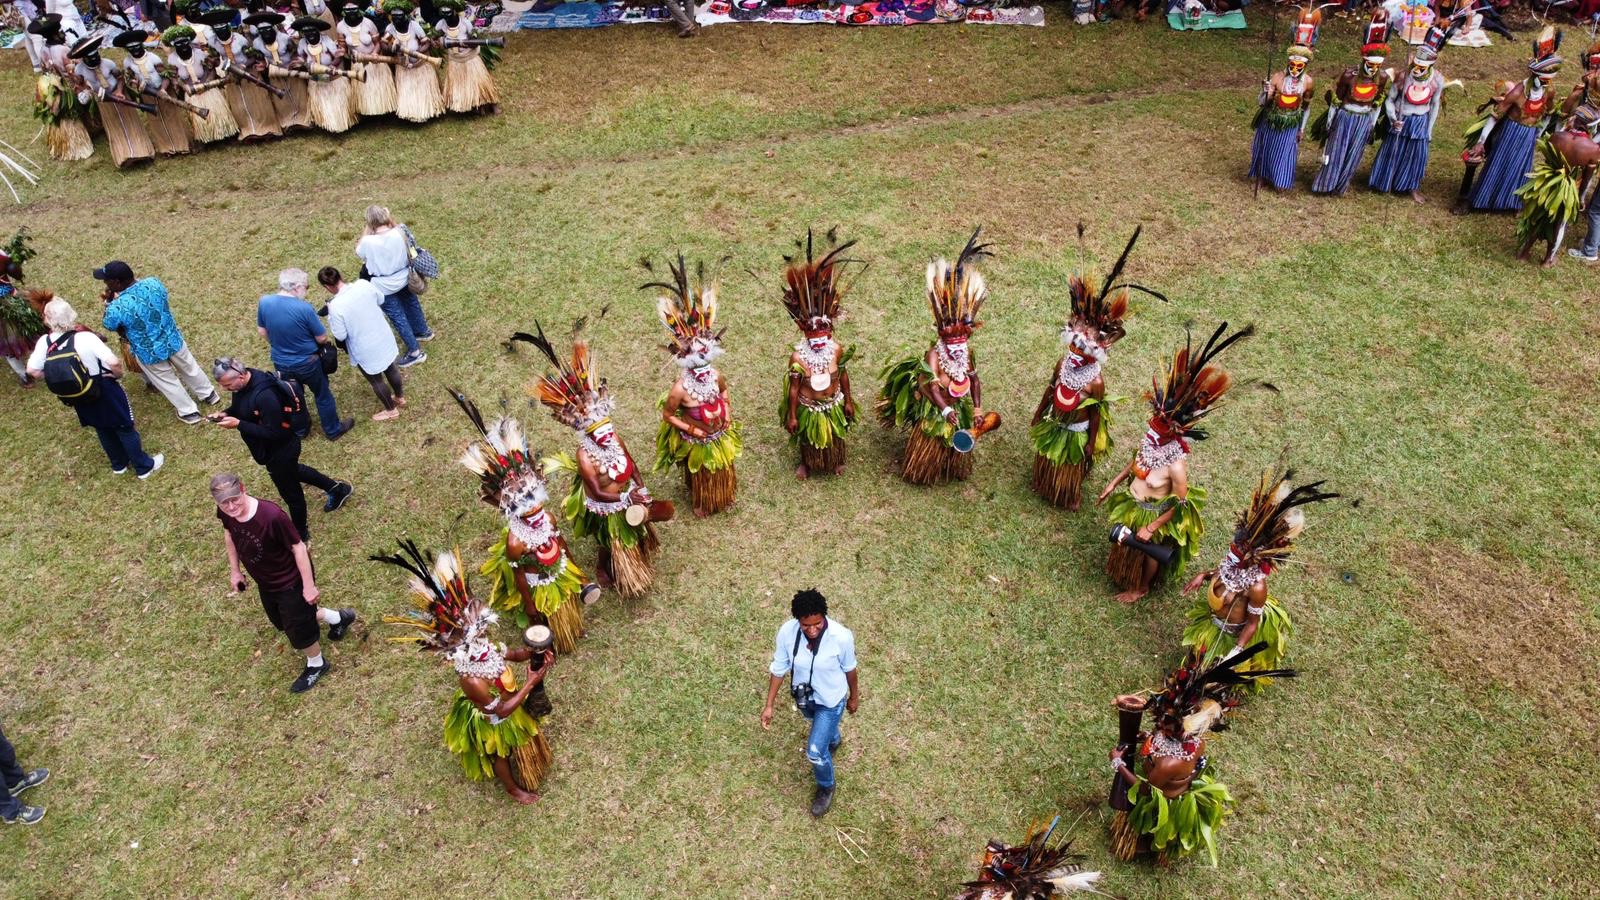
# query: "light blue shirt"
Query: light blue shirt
{"points": [[836, 655], [355, 316]]}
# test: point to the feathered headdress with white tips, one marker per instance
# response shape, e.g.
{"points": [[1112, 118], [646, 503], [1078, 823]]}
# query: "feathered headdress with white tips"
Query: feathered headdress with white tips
{"points": [[446, 618], [1192, 387], [1101, 312], [688, 312], [575, 396], [1265, 532], [811, 286], [511, 477], [956, 293]]}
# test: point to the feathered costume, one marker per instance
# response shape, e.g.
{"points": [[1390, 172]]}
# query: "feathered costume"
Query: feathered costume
{"points": [[1510, 136], [582, 402], [20, 324], [690, 316], [811, 296], [1190, 389], [55, 102], [1192, 702], [955, 296], [1263, 540], [1554, 192], [1032, 870], [1073, 421], [454, 624], [512, 481]]}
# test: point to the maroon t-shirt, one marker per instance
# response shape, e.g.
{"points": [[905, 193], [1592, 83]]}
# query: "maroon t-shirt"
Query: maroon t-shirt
{"points": [[265, 544]]}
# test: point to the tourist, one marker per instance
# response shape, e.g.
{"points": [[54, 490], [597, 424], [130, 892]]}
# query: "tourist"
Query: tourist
{"points": [[355, 316], [12, 810], [827, 655], [138, 311], [295, 334], [385, 251]]}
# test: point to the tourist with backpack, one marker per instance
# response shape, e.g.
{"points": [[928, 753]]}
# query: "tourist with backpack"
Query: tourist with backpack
{"points": [[78, 367], [268, 411]]}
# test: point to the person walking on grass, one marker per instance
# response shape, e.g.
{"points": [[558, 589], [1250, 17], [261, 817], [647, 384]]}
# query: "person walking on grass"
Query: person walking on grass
{"points": [[138, 310], [81, 370], [385, 251], [12, 810], [262, 411], [355, 316], [294, 333], [822, 652], [259, 538]]}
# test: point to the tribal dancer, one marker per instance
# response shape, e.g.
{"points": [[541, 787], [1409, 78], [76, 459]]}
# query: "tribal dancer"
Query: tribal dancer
{"points": [[1237, 612], [532, 570], [55, 103], [1159, 506], [1359, 95], [1564, 166], [169, 128], [1503, 141], [1071, 424], [202, 84], [697, 429], [1033, 870], [1168, 799], [415, 81], [333, 105], [487, 727], [99, 82], [20, 324], [939, 394], [1412, 108], [251, 104], [1283, 110], [817, 408], [468, 86], [362, 43], [276, 48], [1587, 90], [608, 501]]}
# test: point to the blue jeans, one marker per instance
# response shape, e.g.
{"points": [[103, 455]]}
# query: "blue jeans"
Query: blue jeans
{"points": [[123, 448], [11, 775], [822, 741], [1591, 241], [405, 312], [316, 381]]}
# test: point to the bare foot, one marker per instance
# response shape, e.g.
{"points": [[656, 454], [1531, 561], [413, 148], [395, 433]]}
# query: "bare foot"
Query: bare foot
{"points": [[604, 578], [839, 469], [801, 472], [1416, 196], [1132, 596], [1549, 262], [1072, 505], [524, 797], [700, 514]]}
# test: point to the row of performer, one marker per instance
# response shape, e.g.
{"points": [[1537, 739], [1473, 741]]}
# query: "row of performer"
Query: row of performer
{"points": [[1528, 150], [1168, 799], [256, 79]]}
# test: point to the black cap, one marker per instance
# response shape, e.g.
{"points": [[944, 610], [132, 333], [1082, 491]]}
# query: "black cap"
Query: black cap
{"points": [[116, 270], [310, 23], [131, 37], [265, 18], [222, 17], [86, 46]]}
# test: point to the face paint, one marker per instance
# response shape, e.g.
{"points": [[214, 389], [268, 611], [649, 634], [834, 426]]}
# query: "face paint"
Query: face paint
{"points": [[701, 373], [1296, 66], [818, 343], [605, 435], [536, 519]]}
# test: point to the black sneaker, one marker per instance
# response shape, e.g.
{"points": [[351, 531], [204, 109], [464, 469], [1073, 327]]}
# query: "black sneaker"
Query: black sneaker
{"points": [[32, 779], [336, 497], [347, 617], [821, 802], [212, 400], [26, 815], [309, 678], [190, 418], [344, 429]]}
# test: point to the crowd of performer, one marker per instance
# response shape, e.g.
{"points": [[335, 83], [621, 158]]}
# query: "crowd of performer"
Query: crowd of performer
{"points": [[254, 76]]}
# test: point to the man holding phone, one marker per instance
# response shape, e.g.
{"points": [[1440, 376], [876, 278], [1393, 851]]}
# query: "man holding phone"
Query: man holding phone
{"points": [[259, 536], [821, 655]]}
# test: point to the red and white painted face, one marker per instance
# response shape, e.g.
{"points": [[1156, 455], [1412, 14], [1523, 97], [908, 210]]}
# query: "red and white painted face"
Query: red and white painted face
{"points": [[604, 435], [536, 518], [818, 340], [1297, 66], [703, 374], [1159, 432], [956, 345], [1419, 72]]}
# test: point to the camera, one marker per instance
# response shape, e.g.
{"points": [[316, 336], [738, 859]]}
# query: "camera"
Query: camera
{"points": [[802, 696]]}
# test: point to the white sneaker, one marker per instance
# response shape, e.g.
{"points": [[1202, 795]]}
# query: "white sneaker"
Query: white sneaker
{"points": [[1579, 254], [158, 459]]}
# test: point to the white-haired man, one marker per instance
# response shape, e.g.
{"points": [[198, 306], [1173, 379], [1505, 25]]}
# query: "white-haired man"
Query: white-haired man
{"points": [[295, 334]]}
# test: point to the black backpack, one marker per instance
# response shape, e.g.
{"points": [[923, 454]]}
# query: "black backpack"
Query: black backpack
{"points": [[294, 403], [65, 374]]}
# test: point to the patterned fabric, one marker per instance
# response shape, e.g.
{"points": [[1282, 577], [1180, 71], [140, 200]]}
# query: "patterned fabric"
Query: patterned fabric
{"points": [[142, 312]]}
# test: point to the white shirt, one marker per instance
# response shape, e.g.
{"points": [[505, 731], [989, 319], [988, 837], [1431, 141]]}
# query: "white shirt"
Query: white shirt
{"points": [[387, 258], [96, 356], [356, 317], [836, 655]]}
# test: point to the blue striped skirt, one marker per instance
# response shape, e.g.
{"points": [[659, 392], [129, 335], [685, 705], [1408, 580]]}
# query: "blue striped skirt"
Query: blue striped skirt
{"points": [[1402, 160], [1507, 167], [1273, 155], [1347, 143]]}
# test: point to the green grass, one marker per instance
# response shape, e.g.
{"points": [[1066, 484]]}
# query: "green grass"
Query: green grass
{"points": [[1421, 369]]}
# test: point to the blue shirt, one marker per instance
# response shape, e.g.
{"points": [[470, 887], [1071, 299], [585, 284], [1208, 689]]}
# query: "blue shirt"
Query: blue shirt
{"points": [[142, 314], [836, 655], [292, 330]]}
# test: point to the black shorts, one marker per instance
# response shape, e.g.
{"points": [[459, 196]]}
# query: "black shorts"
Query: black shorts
{"points": [[289, 612]]}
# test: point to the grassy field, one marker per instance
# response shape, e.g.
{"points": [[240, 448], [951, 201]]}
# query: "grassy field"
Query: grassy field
{"points": [[1440, 742]]}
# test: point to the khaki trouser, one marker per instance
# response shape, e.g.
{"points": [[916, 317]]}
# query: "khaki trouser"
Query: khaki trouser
{"points": [[175, 374]]}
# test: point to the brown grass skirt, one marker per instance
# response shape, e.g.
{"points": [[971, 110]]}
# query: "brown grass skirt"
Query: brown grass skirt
{"points": [[1124, 840], [294, 107], [633, 568], [332, 105], [711, 492], [566, 625], [169, 129], [1059, 485], [417, 95], [929, 461], [467, 83], [530, 762], [1125, 565], [220, 125], [68, 140], [376, 96], [823, 460], [125, 135], [252, 109]]}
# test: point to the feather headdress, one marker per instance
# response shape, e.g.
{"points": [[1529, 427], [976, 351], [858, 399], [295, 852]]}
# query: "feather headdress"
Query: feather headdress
{"points": [[956, 293], [1192, 387], [1102, 311], [811, 288], [576, 398], [1265, 532], [1195, 699], [688, 312], [445, 617], [1545, 61], [1032, 870], [510, 477]]}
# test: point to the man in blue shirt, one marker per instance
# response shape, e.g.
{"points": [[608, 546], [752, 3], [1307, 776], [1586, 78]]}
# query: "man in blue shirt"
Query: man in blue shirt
{"points": [[293, 331], [138, 311], [821, 654]]}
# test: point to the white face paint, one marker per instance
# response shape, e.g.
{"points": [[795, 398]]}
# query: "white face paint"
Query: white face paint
{"points": [[701, 373], [818, 343], [536, 519], [957, 348], [605, 435]]}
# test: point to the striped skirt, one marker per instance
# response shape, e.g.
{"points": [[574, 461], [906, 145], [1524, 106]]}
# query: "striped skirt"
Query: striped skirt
{"points": [[1273, 155], [1348, 133], [1402, 158], [1506, 168]]}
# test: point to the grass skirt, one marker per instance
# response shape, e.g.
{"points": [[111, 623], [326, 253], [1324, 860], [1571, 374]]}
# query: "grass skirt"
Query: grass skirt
{"points": [[707, 466], [820, 435], [332, 107], [252, 110], [57, 106], [557, 601], [1506, 168], [1551, 198], [475, 742], [1183, 531], [294, 107], [1178, 826], [929, 458], [68, 140], [1063, 457], [467, 83], [1274, 628], [417, 93], [376, 96], [125, 135], [218, 126], [169, 129], [633, 549]]}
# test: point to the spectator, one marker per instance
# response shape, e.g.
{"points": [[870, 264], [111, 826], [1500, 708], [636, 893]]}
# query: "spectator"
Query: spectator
{"points": [[258, 535], [355, 316], [294, 332], [100, 404], [261, 412], [386, 254], [12, 810], [138, 311], [828, 656]]}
